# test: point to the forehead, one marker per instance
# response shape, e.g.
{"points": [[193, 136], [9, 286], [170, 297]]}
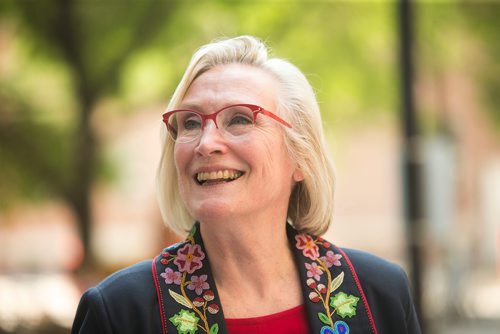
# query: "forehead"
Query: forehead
{"points": [[230, 84]]}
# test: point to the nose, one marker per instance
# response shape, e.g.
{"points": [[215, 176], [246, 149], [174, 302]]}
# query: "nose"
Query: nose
{"points": [[211, 141]]}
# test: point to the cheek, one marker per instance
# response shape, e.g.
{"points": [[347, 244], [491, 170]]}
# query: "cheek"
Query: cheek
{"points": [[181, 162], [181, 159], [273, 156]]}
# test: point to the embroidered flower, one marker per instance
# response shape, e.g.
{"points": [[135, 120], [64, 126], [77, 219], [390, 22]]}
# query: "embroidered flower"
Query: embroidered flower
{"points": [[322, 288], [327, 330], [314, 297], [331, 259], [307, 245], [189, 258], [171, 276], [313, 270], [198, 302], [208, 295], [213, 308], [341, 327], [198, 284], [311, 283]]}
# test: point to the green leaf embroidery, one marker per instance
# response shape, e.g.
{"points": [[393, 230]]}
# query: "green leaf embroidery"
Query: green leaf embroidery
{"points": [[185, 321], [324, 319], [337, 281], [193, 231], [180, 299], [344, 305], [214, 329]]}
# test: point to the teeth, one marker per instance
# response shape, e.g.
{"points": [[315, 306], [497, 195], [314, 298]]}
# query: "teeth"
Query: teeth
{"points": [[219, 175]]}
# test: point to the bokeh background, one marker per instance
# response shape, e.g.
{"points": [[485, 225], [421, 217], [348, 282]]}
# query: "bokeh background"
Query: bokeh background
{"points": [[83, 85]]}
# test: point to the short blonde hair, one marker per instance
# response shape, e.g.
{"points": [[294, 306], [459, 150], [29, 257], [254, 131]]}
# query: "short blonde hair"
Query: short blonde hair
{"points": [[310, 206]]}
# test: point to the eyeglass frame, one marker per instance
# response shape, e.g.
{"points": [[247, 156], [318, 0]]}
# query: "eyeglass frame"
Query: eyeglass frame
{"points": [[213, 116]]}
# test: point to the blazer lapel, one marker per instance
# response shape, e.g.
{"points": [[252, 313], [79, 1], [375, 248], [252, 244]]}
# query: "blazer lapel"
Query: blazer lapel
{"points": [[189, 302], [334, 299]]}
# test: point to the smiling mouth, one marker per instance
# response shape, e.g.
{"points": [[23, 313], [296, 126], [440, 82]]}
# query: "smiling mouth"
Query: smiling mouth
{"points": [[208, 178]]}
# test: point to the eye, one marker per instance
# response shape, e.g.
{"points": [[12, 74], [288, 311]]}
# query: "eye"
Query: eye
{"points": [[192, 123], [240, 119]]}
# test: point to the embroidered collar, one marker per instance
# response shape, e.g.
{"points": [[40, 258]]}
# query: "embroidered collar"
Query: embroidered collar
{"points": [[189, 303]]}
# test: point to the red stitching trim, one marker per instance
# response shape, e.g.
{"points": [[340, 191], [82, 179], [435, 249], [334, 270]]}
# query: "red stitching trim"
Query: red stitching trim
{"points": [[363, 297], [160, 298]]}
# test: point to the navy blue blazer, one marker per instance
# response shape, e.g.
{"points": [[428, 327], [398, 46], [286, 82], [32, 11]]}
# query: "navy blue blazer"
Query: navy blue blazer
{"points": [[127, 301]]}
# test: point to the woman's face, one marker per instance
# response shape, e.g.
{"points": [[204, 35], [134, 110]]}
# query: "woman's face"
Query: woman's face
{"points": [[257, 173]]}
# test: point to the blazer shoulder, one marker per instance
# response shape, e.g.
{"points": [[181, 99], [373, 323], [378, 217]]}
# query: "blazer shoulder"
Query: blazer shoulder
{"points": [[129, 276], [387, 289], [377, 271], [134, 282], [106, 308]]}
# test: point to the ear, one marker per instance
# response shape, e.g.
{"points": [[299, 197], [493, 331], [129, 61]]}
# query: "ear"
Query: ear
{"points": [[297, 175]]}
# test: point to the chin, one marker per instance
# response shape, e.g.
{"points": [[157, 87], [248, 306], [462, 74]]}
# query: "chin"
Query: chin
{"points": [[212, 210]]}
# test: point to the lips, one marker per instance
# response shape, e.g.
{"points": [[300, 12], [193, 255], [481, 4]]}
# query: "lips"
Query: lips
{"points": [[226, 175]]}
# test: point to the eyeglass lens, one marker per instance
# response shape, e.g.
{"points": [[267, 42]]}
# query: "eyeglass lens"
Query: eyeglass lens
{"points": [[185, 125]]}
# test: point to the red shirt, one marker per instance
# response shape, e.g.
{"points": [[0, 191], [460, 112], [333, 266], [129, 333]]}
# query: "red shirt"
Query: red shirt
{"points": [[292, 321]]}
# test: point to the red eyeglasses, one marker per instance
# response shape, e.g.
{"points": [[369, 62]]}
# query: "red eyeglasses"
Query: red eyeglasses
{"points": [[236, 120]]}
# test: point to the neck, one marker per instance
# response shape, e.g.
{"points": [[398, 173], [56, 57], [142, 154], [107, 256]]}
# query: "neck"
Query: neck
{"points": [[254, 238], [239, 246], [252, 260]]}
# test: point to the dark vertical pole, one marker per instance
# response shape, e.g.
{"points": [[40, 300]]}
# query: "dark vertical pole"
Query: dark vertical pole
{"points": [[411, 160]]}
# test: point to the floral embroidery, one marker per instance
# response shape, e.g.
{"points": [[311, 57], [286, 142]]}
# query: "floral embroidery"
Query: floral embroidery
{"points": [[185, 321], [191, 290], [311, 283], [323, 242], [313, 271], [331, 259], [307, 245], [315, 297], [171, 276], [214, 329], [322, 284], [198, 284], [340, 327], [189, 258], [344, 304], [327, 330], [213, 308], [208, 296], [197, 305]]}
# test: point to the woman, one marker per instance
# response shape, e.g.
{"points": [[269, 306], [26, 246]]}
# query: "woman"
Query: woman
{"points": [[246, 172]]}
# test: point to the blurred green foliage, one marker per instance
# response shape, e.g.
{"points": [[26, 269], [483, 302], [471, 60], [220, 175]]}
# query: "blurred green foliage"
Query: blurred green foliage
{"points": [[65, 58], [461, 37], [484, 22], [61, 61]]}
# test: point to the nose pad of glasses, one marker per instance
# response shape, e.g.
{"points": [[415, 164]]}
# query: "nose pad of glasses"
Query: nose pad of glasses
{"points": [[209, 129], [208, 124], [213, 119]]}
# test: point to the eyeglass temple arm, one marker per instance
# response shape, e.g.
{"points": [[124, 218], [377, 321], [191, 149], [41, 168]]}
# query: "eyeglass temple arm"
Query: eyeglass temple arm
{"points": [[276, 118], [170, 128]]}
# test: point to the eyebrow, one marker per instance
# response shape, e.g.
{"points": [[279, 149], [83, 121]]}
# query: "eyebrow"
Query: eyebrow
{"points": [[193, 106], [196, 107]]}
